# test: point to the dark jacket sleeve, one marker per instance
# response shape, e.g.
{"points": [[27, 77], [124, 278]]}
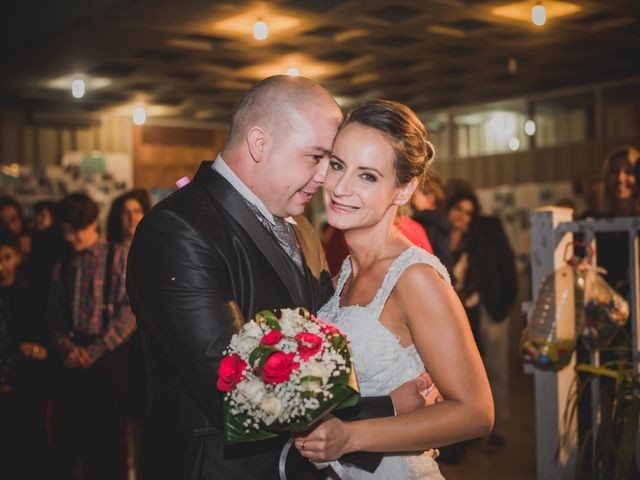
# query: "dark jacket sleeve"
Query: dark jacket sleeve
{"points": [[498, 277], [181, 293]]}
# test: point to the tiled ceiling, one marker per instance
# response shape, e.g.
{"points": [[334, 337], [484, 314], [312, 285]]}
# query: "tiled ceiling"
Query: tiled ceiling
{"points": [[175, 57]]}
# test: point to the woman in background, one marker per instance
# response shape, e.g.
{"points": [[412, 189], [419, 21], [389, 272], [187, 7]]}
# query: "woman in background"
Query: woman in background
{"points": [[126, 212]]}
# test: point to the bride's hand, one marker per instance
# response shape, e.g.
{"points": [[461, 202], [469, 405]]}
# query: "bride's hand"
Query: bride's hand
{"points": [[328, 441]]}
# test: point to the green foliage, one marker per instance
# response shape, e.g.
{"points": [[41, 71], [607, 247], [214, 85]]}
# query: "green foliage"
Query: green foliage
{"points": [[614, 452]]}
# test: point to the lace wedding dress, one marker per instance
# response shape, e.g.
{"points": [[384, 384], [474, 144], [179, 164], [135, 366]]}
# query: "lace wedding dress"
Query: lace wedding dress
{"points": [[381, 363]]}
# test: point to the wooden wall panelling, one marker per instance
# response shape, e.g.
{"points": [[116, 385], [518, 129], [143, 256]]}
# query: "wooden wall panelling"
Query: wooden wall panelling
{"points": [[47, 146], [162, 155]]}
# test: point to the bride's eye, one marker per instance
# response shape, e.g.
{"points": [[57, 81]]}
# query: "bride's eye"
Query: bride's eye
{"points": [[333, 165], [369, 178]]}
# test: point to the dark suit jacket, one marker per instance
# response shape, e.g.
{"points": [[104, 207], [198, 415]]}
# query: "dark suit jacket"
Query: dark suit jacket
{"points": [[437, 227], [491, 254], [200, 265]]}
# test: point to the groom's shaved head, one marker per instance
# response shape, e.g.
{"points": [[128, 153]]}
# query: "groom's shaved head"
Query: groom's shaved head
{"points": [[270, 103]]}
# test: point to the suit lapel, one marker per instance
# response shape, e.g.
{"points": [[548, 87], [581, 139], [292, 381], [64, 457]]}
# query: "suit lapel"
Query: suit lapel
{"points": [[229, 198]]}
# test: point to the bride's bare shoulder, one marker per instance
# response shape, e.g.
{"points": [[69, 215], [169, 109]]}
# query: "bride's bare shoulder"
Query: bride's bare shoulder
{"points": [[421, 278]]}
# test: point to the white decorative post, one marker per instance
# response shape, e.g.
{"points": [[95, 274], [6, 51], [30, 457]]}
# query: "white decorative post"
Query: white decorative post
{"points": [[556, 441]]}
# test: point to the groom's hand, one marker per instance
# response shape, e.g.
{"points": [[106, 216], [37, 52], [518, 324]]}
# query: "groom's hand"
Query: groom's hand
{"points": [[409, 396]]}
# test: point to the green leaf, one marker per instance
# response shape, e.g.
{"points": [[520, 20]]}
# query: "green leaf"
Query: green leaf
{"points": [[268, 318], [259, 353], [312, 379], [338, 342], [624, 453], [600, 371]]}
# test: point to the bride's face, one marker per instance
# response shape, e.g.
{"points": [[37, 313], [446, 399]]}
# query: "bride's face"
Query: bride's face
{"points": [[360, 185]]}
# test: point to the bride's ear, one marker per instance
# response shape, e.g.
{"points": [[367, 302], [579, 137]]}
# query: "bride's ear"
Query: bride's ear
{"points": [[405, 193]]}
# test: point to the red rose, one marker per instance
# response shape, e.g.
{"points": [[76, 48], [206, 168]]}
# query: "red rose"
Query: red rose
{"points": [[230, 372], [278, 367], [272, 338], [308, 345]]}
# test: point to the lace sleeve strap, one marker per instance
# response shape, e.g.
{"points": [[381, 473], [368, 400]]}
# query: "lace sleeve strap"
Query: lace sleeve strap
{"points": [[410, 256]]}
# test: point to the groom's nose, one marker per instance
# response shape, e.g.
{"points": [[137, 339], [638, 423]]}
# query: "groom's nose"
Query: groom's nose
{"points": [[321, 170]]}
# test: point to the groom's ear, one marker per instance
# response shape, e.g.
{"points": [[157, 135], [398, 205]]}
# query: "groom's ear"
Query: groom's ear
{"points": [[405, 193], [257, 140]]}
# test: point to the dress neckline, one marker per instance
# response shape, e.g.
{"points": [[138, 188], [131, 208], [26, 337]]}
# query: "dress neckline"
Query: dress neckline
{"points": [[345, 277]]}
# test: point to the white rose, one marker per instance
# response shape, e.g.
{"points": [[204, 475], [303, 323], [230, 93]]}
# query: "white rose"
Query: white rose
{"points": [[253, 330], [252, 390], [316, 369], [290, 321], [243, 344], [273, 407], [287, 327]]}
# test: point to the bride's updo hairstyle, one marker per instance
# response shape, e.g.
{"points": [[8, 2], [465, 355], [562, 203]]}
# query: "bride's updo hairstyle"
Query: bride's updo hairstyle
{"points": [[413, 152]]}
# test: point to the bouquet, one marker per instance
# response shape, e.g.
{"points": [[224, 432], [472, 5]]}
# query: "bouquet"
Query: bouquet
{"points": [[284, 371]]}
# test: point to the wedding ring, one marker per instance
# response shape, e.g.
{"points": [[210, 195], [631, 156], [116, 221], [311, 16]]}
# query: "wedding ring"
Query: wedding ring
{"points": [[302, 444]]}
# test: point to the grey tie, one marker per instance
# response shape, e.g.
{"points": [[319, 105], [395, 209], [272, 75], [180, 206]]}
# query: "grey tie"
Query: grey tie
{"points": [[283, 233]]}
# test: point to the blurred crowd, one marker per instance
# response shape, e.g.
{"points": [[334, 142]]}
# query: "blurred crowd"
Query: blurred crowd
{"points": [[71, 367]]}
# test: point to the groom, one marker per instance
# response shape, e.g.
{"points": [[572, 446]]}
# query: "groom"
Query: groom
{"points": [[209, 257]]}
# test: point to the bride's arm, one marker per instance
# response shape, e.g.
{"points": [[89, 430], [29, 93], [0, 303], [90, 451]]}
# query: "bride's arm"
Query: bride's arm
{"points": [[440, 331]]}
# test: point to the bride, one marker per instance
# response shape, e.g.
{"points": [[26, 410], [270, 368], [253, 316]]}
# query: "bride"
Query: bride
{"points": [[395, 303]]}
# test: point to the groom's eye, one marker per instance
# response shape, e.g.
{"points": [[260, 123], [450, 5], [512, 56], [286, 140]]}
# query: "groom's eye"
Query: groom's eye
{"points": [[317, 158]]}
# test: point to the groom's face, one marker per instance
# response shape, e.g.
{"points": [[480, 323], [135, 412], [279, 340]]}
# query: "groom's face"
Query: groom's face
{"points": [[298, 158]]}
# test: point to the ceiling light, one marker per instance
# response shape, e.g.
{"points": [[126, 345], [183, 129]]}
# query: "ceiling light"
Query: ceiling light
{"points": [[521, 10], [538, 14], [530, 128], [139, 115], [78, 88], [514, 144], [512, 65], [239, 25], [260, 30], [293, 71]]}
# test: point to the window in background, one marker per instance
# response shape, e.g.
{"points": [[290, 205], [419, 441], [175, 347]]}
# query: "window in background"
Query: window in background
{"points": [[622, 113], [564, 120], [491, 130]]}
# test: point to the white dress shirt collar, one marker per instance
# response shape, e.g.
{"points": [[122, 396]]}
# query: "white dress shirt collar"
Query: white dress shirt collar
{"points": [[223, 169]]}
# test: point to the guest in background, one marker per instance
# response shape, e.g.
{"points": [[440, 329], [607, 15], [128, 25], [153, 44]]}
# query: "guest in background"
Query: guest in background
{"points": [[621, 200], [43, 215], [12, 219], [462, 210], [91, 318], [428, 204], [23, 367], [485, 277], [414, 232], [126, 212]]}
